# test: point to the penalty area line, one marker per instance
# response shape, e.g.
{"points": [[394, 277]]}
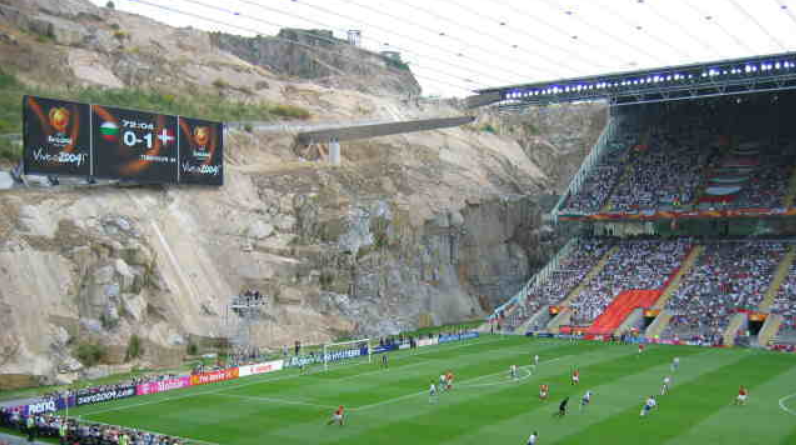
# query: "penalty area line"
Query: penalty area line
{"points": [[505, 382], [265, 381], [784, 406], [271, 399], [225, 388], [464, 385]]}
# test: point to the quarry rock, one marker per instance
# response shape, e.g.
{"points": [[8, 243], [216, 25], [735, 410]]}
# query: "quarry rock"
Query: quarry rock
{"points": [[126, 275], [410, 227], [96, 372], [260, 230], [176, 340], [134, 305], [456, 219], [285, 223], [91, 325], [104, 275], [6, 181]]}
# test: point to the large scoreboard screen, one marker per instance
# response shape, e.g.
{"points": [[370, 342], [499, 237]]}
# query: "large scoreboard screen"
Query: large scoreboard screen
{"points": [[134, 145], [66, 138]]}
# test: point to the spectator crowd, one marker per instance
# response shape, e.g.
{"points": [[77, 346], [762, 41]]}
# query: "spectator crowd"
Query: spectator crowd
{"points": [[637, 264], [785, 304], [69, 431], [681, 157], [569, 273], [729, 276]]}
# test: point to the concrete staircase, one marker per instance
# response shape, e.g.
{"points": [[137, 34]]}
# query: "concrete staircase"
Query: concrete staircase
{"points": [[565, 315], [674, 284], [779, 277], [631, 321], [769, 329], [592, 273], [608, 203], [559, 320], [643, 140], [658, 325], [735, 323], [538, 317], [621, 307]]}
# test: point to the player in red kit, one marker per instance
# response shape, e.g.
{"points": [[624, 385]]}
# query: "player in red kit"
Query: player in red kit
{"points": [[742, 395], [575, 377], [338, 416], [544, 391]]}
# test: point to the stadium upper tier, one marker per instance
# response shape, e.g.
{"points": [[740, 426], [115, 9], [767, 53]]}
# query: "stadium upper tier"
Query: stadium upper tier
{"points": [[694, 158]]}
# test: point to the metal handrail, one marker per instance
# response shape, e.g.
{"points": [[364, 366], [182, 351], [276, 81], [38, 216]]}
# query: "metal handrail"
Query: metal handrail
{"points": [[537, 279], [593, 157]]}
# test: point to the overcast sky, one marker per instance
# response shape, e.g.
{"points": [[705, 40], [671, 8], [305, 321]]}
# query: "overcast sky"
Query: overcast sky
{"points": [[456, 46]]}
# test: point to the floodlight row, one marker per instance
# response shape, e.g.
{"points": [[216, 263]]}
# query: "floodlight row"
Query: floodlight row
{"points": [[742, 69]]}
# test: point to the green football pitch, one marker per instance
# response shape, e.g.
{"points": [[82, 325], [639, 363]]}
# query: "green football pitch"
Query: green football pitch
{"points": [[486, 406]]}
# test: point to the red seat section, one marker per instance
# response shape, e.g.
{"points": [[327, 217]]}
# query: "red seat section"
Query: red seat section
{"points": [[616, 313]]}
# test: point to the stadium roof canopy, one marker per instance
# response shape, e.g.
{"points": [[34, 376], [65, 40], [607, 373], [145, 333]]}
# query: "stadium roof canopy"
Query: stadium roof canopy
{"points": [[727, 77], [457, 46]]}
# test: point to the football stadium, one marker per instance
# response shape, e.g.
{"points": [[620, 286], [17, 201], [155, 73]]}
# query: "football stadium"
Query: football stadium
{"points": [[213, 235]]}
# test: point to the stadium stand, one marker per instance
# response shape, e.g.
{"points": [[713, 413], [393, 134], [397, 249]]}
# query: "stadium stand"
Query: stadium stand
{"points": [[643, 264], [602, 178], [571, 271], [681, 193], [686, 158], [785, 305], [664, 172], [48, 425], [729, 277]]}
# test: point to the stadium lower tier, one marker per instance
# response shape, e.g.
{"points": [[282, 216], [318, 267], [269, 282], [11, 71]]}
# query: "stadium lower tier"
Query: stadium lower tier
{"points": [[603, 285]]}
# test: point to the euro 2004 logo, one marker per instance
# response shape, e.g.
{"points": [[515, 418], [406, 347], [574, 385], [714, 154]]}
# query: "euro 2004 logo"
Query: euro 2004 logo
{"points": [[59, 119], [201, 136]]}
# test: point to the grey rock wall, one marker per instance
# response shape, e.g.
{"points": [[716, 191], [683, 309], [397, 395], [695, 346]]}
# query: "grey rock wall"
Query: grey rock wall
{"points": [[334, 64]]}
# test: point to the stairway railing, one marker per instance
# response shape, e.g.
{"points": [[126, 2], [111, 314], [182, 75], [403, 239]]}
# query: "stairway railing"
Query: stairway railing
{"points": [[591, 160], [539, 278]]}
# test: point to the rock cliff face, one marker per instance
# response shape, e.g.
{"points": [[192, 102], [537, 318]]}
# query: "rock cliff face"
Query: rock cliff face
{"points": [[324, 60], [439, 226]]}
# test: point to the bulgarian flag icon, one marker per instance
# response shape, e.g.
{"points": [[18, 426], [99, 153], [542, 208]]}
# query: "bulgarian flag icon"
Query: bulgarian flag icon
{"points": [[109, 131]]}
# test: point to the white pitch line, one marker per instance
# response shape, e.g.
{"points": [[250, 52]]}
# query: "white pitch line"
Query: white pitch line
{"points": [[785, 408], [264, 381], [407, 396], [271, 399], [382, 370]]}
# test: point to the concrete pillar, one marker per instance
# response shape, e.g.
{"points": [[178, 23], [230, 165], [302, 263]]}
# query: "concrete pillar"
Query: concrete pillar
{"points": [[334, 152]]}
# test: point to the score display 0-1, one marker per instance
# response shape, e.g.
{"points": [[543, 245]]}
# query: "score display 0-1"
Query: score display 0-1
{"points": [[61, 136]]}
